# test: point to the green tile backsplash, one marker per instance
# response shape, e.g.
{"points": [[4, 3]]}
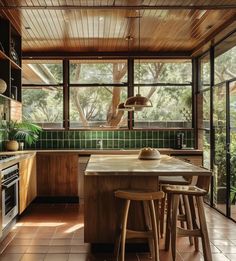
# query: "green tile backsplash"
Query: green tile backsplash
{"points": [[134, 139]]}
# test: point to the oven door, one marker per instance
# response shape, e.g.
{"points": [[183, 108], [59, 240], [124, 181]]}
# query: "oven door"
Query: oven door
{"points": [[9, 200]]}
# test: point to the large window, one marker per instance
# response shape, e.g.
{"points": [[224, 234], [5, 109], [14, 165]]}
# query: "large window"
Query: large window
{"points": [[95, 88], [168, 84], [42, 92]]}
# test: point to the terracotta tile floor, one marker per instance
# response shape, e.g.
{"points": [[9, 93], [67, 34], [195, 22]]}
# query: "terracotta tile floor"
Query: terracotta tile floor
{"points": [[55, 232]]}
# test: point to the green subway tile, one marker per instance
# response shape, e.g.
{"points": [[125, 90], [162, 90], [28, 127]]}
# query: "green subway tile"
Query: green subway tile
{"points": [[166, 144], [132, 144], [144, 134], [161, 135], [144, 143], [110, 135], [44, 144], [55, 144], [72, 144], [77, 144], [172, 143], [66, 135], [94, 142], [189, 135], [132, 135], [155, 144], [71, 135], [60, 144], [115, 134], [116, 144], [138, 134], [94, 135], [82, 135], [121, 144], [127, 135], [60, 135], [44, 135], [166, 135], [99, 134], [66, 144], [54, 135], [149, 143], [104, 144], [126, 144], [138, 144], [82, 144], [160, 144], [77, 135], [88, 144], [149, 135], [172, 135], [155, 135], [109, 144], [121, 134], [88, 135], [104, 135]]}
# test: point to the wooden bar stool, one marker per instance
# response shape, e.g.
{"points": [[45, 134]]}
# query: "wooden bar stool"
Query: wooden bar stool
{"points": [[173, 193], [184, 213], [151, 234]]}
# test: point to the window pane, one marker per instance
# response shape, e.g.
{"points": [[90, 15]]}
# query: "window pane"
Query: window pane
{"points": [[96, 71], [204, 110], [42, 72], [205, 71], [225, 60], [43, 105], [172, 107], [163, 71], [97, 107]]}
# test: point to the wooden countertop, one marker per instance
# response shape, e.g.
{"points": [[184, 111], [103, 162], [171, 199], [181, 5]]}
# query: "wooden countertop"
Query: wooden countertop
{"points": [[108, 151], [102, 165]]}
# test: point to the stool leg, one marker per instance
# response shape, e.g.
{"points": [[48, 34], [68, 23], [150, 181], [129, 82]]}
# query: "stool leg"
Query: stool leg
{"points": [[124, 226], [162, 215], [203, 226], [154, 229], [174, 225], [147, 218], [188, 216], [168, 221], [181, 212], [194, 220]]}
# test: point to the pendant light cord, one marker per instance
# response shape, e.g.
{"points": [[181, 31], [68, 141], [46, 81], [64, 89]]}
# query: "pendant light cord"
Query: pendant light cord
{"points": [[139, 46]]}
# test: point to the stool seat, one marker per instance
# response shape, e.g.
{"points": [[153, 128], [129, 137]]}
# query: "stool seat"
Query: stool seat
{"points": [[147, 198], [175, 180], [184, 190], [139, 195]]}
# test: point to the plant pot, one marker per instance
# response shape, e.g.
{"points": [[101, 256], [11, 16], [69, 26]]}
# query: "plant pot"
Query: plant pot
{"points": [[12, 145]]}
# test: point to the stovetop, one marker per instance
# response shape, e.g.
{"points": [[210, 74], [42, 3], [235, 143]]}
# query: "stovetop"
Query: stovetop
{"points": [[4, 158]]}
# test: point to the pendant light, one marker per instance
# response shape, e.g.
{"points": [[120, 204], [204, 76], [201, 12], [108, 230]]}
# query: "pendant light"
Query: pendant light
{"points": [[138, 102]]}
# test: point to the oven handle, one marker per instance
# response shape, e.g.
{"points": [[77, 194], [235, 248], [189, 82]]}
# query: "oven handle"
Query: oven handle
{"points": [[11, 183]]}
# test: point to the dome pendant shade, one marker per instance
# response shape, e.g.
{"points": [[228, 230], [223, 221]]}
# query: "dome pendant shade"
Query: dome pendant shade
{"points": [[138, 101], [121, 107]]}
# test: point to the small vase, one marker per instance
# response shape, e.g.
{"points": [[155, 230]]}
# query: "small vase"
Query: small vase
{"points": [[12, 145]]}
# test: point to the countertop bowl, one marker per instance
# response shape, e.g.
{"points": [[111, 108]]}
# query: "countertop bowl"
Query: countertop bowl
{"points": [[149, 154]]}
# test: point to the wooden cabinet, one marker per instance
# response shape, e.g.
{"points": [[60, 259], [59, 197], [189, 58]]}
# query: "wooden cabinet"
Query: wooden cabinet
{"points": [[10, 59], [57, 174], [27, 184], [193, 159]]}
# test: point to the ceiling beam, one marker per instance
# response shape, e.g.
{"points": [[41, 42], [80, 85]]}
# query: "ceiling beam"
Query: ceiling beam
{"points": [[102, 55], [131, 7]]}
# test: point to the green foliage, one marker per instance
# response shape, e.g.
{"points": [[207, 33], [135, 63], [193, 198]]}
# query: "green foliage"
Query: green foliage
{"points": [[26, 131]]}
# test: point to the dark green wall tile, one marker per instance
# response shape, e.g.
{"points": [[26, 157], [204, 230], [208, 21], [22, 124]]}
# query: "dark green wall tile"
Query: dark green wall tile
{"points": [[144, 135], [115, 134], [121, 134]]}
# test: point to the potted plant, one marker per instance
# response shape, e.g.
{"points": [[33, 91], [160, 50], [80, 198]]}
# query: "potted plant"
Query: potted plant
{"points": [[20, 131]]}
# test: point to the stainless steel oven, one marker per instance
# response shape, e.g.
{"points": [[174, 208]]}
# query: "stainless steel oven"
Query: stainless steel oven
{"points": [[10, 179]]}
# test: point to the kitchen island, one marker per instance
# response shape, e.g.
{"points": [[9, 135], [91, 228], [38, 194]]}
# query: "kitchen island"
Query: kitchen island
{"points": [[106, 173]]}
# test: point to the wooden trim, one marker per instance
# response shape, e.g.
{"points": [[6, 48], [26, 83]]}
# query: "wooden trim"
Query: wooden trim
{"points": [[101, 55], [66, 97], [129, 7], [212, 35]]}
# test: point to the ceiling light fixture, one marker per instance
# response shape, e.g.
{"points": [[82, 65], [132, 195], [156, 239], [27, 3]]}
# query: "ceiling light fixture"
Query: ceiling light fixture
{"points": [[138, 102]]}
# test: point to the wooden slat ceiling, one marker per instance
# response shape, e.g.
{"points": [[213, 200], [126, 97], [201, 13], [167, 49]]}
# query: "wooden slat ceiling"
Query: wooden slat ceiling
{"points": [[102, 26]]}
